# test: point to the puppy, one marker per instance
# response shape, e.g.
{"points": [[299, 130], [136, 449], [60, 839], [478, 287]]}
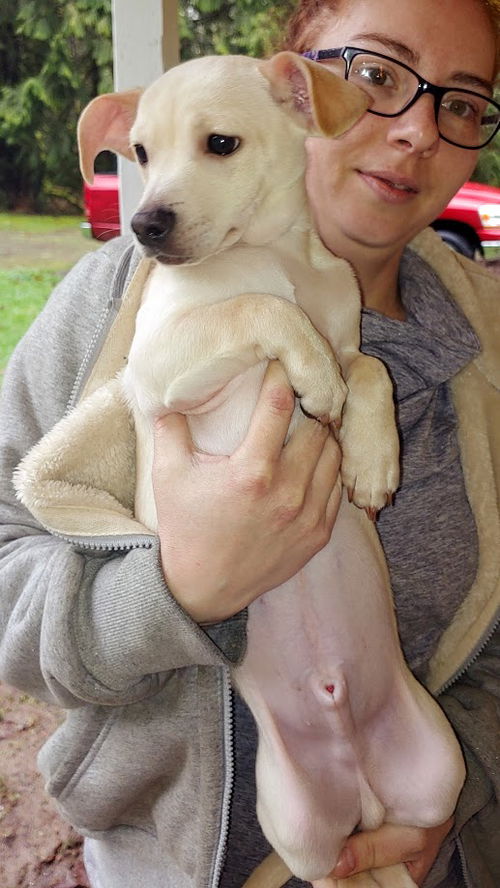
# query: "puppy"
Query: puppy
{"points": [[347, 737], [221, 145]]}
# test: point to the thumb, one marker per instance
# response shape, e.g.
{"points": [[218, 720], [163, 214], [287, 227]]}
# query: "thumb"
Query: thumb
{"points": [[172, 438], [371, 849]]}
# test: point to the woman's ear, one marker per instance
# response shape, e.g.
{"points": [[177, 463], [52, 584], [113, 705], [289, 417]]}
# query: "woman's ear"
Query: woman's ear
{"points": [[105, 124], [320, 101]]}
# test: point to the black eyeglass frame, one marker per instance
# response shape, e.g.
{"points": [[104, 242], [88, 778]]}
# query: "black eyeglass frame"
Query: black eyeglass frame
{"points": [[424, 87]]}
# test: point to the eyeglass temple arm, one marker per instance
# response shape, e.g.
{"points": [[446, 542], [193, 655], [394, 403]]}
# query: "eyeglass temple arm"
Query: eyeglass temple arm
{"points": [[317, 55]]}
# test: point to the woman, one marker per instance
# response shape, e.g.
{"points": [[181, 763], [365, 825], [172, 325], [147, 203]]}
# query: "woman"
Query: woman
{"points": [[144, 761]]}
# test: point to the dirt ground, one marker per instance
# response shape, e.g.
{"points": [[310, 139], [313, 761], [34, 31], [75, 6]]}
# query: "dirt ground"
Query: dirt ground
{"points": [[37, 849], [59, 249]]}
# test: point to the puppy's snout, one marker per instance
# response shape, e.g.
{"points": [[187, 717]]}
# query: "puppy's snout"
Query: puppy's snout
{"points": [[152, 227]]}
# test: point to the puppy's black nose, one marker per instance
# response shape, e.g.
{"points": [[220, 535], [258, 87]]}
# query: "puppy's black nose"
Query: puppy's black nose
{"points": [[152, 227]]}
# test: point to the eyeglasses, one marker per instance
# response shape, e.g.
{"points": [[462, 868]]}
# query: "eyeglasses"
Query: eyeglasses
{"points": [[464, 118]]}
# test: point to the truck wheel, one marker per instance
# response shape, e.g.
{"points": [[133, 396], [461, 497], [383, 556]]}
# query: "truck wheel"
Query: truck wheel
{"points": [[458, 242]]}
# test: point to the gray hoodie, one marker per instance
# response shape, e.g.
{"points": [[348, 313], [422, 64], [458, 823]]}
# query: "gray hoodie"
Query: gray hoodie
{"points": [[144, 759]]}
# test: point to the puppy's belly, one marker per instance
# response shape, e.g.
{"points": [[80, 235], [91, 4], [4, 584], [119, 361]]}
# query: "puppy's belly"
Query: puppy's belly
{"points": [[217, 426], [346, 734]]}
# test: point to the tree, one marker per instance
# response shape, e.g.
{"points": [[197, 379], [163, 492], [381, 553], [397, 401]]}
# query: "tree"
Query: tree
{"points": [[55, 55], [488, 167], [252, 27]]}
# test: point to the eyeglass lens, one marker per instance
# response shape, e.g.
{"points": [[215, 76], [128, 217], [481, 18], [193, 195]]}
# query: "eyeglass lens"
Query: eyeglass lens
{"points": [[465, 118]]}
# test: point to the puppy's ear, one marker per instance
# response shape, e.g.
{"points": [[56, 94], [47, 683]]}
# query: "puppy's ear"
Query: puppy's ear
{"points": [[322, 102], [104, 125]]}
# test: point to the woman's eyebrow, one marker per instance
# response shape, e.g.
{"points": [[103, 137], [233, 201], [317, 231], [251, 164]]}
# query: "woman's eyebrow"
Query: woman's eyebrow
{"points": [[400, 49], [471, 81]]}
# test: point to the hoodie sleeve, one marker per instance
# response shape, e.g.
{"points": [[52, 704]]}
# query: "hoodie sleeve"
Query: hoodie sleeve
{"points": [[76, 624]]}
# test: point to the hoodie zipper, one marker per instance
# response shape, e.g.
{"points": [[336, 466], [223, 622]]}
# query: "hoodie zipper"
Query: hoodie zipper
{"points": [[463, 863], [103, 325], [108, 544], [227, 705], [475, 653]]}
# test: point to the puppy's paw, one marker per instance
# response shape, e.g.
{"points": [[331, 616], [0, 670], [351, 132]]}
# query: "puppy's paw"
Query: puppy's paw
{"points": [[325, 402], [370, 467]]}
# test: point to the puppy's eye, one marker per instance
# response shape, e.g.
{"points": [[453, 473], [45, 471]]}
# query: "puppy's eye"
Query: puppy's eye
{"points": [[141, 154], [222, 145]]}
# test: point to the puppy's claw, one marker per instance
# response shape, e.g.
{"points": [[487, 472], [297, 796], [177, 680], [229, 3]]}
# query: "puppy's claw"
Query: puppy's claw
{"points": [[371, 511], [389, 498], [324, 418]]}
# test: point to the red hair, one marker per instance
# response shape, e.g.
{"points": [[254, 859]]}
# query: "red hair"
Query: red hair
{"points": [[305, 22]]}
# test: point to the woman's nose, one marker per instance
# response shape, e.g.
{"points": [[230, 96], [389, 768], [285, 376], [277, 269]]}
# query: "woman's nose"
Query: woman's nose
{"points": [[416, 129]]}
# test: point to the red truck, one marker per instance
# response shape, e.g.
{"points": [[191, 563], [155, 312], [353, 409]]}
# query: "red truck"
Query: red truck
{"points": [[470, 223]]}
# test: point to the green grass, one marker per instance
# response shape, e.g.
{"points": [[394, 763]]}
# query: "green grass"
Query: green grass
{"points": [[25, 224], [23, 293], [37, 251]]}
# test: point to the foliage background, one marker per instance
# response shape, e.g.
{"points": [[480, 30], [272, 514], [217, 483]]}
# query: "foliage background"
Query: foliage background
{"points": [[55, 55]]}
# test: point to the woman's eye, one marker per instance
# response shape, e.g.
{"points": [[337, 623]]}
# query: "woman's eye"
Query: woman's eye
{"points": [[141, 154], [376, 75], [222, 145], [461, 108]]}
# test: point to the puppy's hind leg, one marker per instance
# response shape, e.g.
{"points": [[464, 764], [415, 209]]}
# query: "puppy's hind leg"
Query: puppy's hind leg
{"points": [[396, 876], [360, 880]]}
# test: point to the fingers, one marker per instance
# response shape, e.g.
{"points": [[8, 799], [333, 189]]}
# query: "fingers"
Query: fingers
{"points": [[172, 439], [377, 848], [373, 849], [271, 417], [325, 482], [333, 504], [391, 844]]}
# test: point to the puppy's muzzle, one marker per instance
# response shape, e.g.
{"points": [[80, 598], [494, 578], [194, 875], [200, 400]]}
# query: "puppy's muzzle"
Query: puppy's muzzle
{"points": [[152, 228]]}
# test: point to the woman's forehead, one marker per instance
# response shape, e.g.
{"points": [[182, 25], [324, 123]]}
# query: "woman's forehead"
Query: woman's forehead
{"points": [[415, 30]]}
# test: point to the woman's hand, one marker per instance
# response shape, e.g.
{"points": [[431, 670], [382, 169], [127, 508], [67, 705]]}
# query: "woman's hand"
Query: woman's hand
{"points": [[234, 527], [417, 848]]}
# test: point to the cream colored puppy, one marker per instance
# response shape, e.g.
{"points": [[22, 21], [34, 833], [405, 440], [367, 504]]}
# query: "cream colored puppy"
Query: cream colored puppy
{"points": [[221, 144]]}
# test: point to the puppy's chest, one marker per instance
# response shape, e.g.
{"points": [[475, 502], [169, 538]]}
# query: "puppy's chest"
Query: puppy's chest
{"points": [[234, 273]]}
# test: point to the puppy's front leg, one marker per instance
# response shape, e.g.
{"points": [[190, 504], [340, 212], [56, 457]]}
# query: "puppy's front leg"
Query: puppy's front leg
{"points": [[211, 344], [370, 444], [368, 437]]}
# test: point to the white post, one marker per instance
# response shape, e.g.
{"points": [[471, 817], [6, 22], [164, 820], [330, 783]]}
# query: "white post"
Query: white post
{"points": [[145, 44]]}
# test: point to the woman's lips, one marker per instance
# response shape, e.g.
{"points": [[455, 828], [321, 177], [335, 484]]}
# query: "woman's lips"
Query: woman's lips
{"points": [[388, 186]]}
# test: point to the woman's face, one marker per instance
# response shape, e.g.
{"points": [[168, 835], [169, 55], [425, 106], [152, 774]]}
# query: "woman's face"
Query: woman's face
{"points": [[387, 178]]}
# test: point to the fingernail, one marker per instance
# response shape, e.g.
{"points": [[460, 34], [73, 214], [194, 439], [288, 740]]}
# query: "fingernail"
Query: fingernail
{"points": [[345, 864]]}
